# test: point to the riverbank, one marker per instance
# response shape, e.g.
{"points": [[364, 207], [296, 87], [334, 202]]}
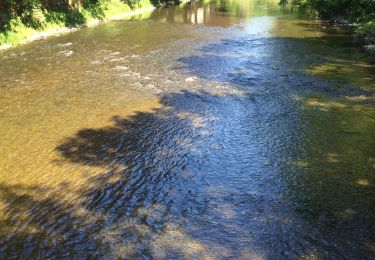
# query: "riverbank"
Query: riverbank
{"points": [[51, 23], [366, 37], [348, 13]]}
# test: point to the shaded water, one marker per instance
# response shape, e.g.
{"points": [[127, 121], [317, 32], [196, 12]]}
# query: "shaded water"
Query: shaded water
{"points": [[217, 129]]}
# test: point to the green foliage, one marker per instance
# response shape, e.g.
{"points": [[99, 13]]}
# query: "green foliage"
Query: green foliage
{"points": [[370, 25], [19, 19], [95, 8], [75, 17], [353, 10], [366, 36], [358, 11], [37, 13], [164, 2]]}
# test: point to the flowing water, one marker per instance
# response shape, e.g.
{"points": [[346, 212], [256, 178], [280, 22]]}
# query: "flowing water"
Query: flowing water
{"points": [[210, 130]]}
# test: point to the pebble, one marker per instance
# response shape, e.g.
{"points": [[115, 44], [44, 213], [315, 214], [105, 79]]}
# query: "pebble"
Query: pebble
{"points": [[66, 53], [120, 68], [64, 44], [95, 62], [191, 79]]}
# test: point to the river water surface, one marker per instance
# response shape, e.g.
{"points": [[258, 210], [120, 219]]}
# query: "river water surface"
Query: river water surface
{"points": [[210, 130]]}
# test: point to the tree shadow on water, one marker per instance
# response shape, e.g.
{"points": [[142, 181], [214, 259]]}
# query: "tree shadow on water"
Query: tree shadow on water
{"points": [[154, 156], [123, 210], [37, 225]]}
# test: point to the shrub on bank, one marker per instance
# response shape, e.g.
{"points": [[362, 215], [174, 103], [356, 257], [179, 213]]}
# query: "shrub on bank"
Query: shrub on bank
{"points": [[366, 36], [21, 18], [358, 11]]}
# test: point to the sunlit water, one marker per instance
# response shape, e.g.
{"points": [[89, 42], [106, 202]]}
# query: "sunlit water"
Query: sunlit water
{"points": [[224, 129]]}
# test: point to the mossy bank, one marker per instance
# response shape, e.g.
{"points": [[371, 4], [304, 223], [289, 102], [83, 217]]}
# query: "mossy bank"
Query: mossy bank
{"points": [[24, 21]]}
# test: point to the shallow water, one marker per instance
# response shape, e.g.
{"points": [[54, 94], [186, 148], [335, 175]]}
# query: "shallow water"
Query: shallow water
{"points": [[223, 129]]}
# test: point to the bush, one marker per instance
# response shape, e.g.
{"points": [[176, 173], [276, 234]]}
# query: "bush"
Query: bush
{"points": [[353, 10]]}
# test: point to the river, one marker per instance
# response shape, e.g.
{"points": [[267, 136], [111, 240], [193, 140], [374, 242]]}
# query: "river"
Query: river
{"points": [[223, 129]]}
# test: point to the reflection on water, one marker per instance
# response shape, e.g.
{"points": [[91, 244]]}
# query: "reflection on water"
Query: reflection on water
{"points": [[216, 13], [248, 136]]}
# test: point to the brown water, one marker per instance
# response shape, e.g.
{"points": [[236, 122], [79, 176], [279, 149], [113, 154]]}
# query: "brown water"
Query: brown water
{"points": [[223, 129]]}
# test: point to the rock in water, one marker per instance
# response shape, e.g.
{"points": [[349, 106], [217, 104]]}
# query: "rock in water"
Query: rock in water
{"points": [[191, 79]]}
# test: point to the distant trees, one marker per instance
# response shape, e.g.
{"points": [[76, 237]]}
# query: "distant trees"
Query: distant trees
{"points": [[353, 10]]}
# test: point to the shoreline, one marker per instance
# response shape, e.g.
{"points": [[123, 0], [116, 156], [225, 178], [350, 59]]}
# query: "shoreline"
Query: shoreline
{"points": [[65, 30]]}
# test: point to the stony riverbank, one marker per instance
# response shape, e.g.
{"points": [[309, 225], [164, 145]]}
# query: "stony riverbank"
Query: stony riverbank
{"points": [[366, 37]]}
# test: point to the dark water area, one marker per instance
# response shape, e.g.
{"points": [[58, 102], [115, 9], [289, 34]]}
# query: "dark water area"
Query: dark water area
{"points": [[209, 130]]}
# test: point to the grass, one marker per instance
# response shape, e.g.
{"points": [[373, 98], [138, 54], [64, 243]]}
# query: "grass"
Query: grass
{"points": [[16, 32]]}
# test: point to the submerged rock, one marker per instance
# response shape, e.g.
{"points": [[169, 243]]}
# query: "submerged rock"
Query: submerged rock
{"points": [[150, 86], [65, 44], [190, 79], [120, 68], [370, 49], [66, 53]]}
